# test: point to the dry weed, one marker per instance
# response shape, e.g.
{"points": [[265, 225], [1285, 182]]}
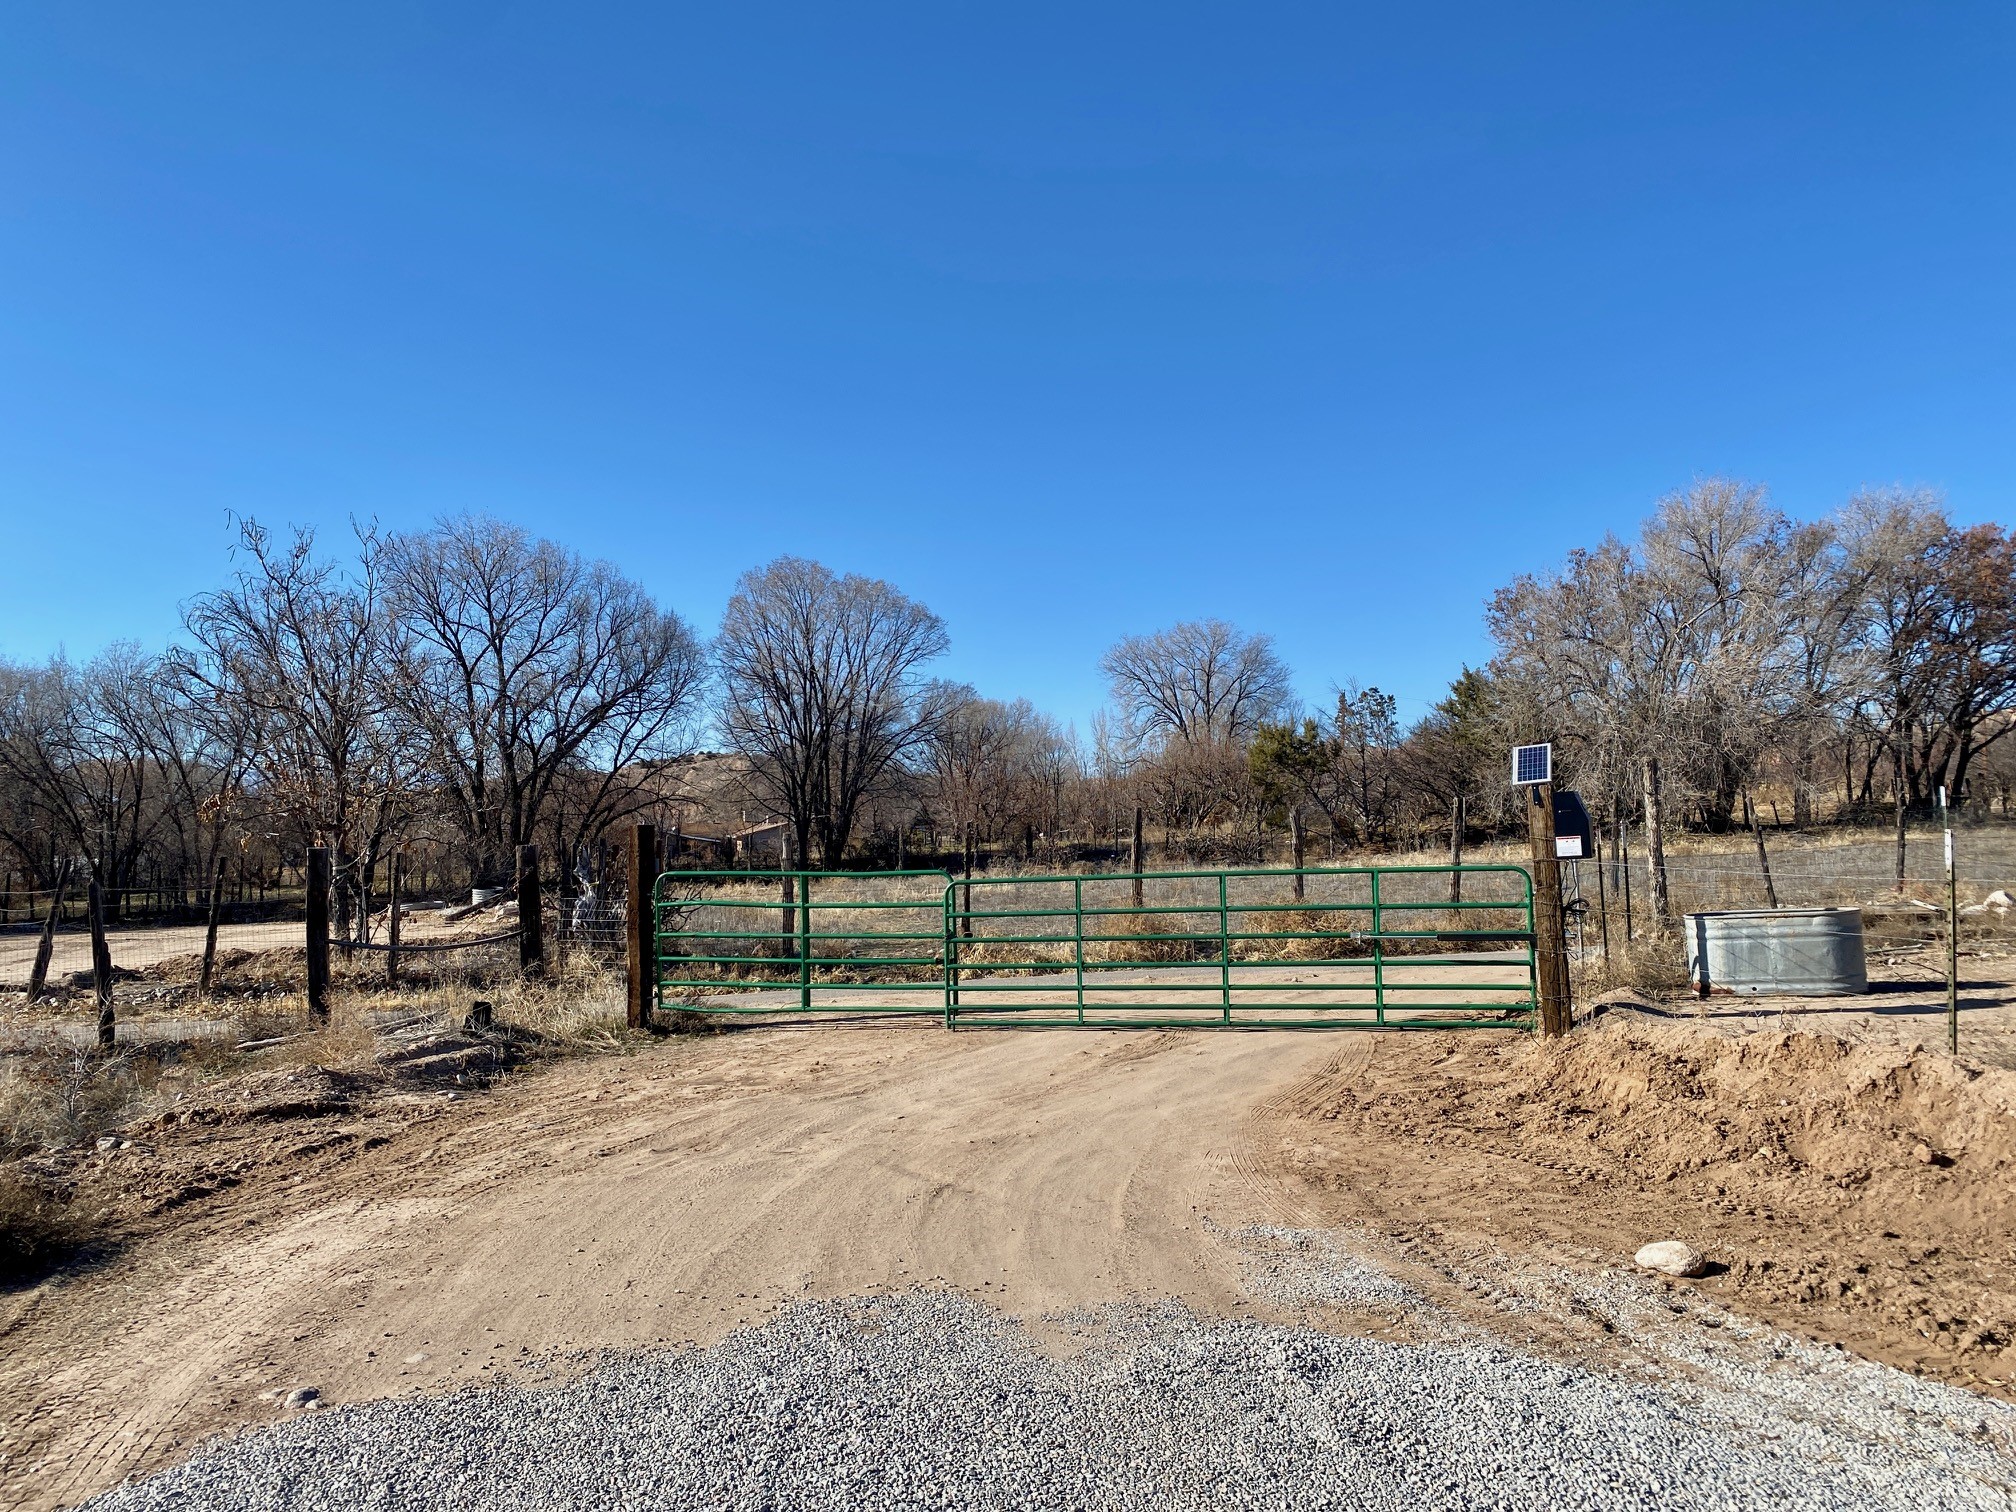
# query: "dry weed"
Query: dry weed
{"points": [[1652, 965], [995, 953], [54, 1095]]}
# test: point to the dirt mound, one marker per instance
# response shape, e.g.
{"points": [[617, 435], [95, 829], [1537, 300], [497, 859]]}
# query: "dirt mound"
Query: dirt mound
{"points": [[1802, 1104], [1858, 1192], [235, 970]]}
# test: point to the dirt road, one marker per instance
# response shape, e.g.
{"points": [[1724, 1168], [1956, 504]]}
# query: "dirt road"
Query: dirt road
{"points": [[414, 1239], [666, 1196]]}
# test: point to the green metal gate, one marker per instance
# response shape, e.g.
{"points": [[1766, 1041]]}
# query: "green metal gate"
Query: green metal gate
{"points": [[728, 942], [1413, 947]]}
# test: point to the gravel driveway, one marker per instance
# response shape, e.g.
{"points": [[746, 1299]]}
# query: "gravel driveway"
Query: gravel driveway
{"points": [[932, 1400]]}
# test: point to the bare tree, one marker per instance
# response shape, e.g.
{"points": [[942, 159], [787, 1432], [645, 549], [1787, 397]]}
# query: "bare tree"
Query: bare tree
{"points": [[1672, 663], [983, 758], [539, 680], [1938, 632], [298, 651], [1197, 683], [822, 690]]}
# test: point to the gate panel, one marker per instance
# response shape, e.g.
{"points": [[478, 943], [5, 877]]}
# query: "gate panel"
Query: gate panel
{"points": [[729, 943], [1329, 947], [1361, 947]]}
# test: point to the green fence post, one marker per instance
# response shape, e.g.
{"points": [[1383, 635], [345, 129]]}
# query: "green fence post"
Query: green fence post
{"points": [[1078, 941], [805, 940], [945, 958], [951, 952], [1532, 954], [1378, 956], [1224, 947]]}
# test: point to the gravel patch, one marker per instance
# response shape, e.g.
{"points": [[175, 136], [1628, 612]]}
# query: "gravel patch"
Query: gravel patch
{"points": [[929, 1400], [1291, 1266]]}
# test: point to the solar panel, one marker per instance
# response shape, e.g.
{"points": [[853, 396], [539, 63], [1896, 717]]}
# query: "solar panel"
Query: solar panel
{"points": [[1532, 764]]}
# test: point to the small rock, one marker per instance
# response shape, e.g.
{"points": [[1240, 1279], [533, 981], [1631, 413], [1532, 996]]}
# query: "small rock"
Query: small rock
{"points": [[418, 1357], [302, 1398], [1672, 1258], [108, 1143], [1924, 1154]]}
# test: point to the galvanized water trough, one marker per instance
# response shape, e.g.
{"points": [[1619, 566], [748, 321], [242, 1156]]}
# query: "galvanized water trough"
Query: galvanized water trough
{"points": [[1797, 952]]}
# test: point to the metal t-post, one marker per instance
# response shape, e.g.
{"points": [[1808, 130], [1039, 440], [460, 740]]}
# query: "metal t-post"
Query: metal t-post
{"points": [[1952, 935]]}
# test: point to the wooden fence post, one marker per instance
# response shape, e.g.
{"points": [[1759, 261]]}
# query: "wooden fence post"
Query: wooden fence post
{"points": [[1763, 857], [787, 918], [1137, 853], [1458, 817], [642, 929], [531, 933], [210, 931], [395, 883], [1296, 840], [1655, 849], [1550, 943], [38, 976], [101, 972], [318, 931]]}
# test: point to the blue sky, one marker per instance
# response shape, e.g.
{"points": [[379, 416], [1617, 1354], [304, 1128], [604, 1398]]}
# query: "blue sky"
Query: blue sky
{"points": [[1070, 320]]}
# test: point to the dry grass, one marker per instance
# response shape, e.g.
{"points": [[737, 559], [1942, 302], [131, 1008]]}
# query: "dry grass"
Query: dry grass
{"points": [[578, 1005], [1306, 934], [38, 1229], [1652, 965], [55, 1096], [1142, 938]]}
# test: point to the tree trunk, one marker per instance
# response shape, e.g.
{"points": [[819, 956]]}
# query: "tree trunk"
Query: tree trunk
{"points": [[210, 933], [1963, 757], [1297, 840], [1655, 845]]}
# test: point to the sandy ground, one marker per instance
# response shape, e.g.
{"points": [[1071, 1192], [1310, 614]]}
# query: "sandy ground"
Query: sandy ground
{"points": [[413, 1238]]}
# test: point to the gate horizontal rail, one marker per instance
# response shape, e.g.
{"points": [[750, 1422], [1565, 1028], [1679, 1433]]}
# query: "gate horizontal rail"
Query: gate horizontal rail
{"points": [[1413, 947]]}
